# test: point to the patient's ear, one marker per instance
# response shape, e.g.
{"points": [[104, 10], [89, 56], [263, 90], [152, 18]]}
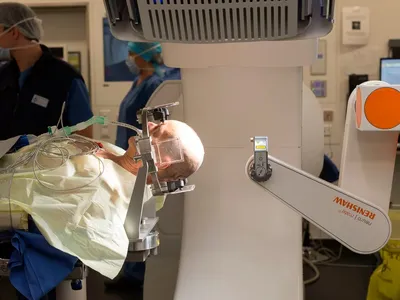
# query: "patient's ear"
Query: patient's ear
{"points": [[163, 165], [151, 126], [131, 151]]}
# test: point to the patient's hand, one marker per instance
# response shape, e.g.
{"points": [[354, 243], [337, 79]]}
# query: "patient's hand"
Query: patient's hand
{"points": [[125, 161], [108, 155]]}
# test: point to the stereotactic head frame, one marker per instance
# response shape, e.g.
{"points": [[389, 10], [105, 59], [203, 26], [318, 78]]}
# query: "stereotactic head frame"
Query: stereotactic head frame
{"points": [[158, 154], [168, 152]]}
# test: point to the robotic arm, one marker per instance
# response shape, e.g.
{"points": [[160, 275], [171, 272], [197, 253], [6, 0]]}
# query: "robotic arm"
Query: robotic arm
{"points": [[356, 223]]}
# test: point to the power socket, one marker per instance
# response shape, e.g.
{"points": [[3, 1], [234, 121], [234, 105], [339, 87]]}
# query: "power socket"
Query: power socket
{"points": [[327, 130], [328, 115]]}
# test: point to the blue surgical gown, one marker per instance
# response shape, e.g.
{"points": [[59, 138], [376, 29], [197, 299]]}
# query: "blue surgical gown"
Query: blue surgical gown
{"points": [[77, 106], [136, 99]]}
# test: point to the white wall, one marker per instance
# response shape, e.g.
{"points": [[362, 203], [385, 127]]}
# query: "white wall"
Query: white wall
{"points": [[330, 102], [365, 60], [345, 60]]}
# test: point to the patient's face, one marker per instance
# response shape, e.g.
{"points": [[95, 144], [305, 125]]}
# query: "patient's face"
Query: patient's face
{"points": [[158, 132]]}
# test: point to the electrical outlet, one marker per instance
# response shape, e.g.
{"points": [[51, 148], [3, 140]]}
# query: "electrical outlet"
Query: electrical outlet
{"points": [[328, 115], [327, 130], [104, 112]]}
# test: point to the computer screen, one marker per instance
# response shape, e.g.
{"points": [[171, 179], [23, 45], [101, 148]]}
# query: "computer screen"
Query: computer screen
{"points": [[58, 52], [390, 70], [390, 73]]}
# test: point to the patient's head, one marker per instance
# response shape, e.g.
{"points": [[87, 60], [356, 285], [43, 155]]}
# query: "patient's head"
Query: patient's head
{"points": [[191, 148]]}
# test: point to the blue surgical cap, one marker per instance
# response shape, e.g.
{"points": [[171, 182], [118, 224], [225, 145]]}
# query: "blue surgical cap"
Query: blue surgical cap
{"points": [[145, 50]]}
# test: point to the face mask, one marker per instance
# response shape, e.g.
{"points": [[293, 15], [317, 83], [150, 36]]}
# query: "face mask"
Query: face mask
{"points": [[132, 66], [5, 54]]}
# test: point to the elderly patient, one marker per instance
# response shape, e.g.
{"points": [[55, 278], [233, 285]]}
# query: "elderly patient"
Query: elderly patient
{"points": [[79, 209]]}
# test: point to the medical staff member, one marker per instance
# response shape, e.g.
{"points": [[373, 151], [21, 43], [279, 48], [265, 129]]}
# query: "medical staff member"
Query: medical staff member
{"points": [[34, 84], [145, 61]]}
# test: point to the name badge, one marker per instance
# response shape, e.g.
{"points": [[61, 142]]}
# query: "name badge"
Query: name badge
{"points": [[41, 101]]}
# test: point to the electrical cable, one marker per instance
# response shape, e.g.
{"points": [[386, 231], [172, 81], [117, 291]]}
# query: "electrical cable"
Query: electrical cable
{"points": [[55, 148], [314, 268], [64, 158], [48, 153], [331, 259]]}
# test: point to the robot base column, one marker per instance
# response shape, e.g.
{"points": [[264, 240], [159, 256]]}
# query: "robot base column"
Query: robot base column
{"points": [[239, 243]]}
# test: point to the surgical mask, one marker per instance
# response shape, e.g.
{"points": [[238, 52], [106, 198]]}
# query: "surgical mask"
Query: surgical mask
{"points": [[5, 54], [132, 66]]}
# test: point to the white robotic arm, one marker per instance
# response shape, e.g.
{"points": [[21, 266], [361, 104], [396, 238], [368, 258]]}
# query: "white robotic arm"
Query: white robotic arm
{"points": [[356, 223]]}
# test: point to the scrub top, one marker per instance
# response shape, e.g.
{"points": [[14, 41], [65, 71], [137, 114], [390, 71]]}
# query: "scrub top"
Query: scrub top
{"points": [[173, 74], [118, 72], [77, 106], [135, 100]]}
